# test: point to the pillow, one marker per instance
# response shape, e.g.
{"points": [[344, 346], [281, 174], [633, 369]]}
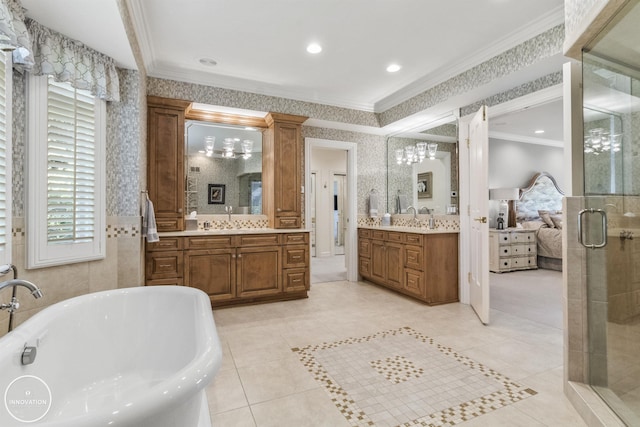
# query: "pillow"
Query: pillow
{"points": [[557, 220], [532, 225], [546, 217]]}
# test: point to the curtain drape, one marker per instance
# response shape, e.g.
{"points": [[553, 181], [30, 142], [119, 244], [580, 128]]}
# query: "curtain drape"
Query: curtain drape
{"points": [[70, 61], [14, 35]]}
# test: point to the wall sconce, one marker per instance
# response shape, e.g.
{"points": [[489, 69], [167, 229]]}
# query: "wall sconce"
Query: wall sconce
{"points": [[416, 153], [504, 195]]}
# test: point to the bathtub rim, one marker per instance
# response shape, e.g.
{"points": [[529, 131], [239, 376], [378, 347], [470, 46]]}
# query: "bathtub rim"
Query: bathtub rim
{"points": [[183, 384]]}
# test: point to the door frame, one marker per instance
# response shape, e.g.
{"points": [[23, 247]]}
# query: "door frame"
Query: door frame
{"points": [[351, 237]]}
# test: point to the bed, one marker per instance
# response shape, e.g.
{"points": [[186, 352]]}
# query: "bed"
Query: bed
{"points": [[540, 208]]}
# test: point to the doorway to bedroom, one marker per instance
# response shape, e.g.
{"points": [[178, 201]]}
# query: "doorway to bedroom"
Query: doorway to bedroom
{"points": [[526, 154]]}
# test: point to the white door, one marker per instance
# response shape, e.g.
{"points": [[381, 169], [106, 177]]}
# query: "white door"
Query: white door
{"points": [[478, 143]]}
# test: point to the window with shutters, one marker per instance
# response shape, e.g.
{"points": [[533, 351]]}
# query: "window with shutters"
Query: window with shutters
{"points": [[66, 195], [5, 158]]}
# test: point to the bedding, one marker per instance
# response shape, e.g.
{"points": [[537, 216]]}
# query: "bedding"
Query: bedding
{"points": [[539, 208]]}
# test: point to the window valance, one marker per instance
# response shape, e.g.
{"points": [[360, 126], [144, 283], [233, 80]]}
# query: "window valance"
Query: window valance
{"points": [[13, 33], [70, 61]]}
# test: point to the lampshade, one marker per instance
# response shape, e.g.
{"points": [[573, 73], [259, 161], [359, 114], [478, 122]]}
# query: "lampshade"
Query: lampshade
{"points": [[504, 194]]}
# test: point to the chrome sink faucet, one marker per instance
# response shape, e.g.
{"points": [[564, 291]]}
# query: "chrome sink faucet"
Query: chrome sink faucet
{"points": [[229, 211], [12, 306], [415, 214]]}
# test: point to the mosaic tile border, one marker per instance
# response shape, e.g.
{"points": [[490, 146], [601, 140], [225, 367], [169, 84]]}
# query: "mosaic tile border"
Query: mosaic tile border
{"points": [[511, 393]]}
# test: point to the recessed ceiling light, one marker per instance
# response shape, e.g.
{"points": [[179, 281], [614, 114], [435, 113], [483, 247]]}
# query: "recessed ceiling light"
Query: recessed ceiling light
{"points": [[539, 131], [393, 68], [208, 62], [314, 48]]}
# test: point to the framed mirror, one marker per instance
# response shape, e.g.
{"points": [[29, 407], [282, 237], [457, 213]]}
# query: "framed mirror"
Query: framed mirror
{"points": [[223, 167], [422, 169]]}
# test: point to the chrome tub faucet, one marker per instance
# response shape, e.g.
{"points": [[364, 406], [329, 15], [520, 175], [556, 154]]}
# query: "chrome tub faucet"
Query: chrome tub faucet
{"points": [[13, 305]]}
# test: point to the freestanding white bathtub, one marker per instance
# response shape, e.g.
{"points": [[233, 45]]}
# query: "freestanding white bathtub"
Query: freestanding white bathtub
{"points": [[133, 357]]}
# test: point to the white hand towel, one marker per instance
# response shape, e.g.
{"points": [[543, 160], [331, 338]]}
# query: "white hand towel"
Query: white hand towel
{"points": [[149, 228], [373, 204], [403, 203]]}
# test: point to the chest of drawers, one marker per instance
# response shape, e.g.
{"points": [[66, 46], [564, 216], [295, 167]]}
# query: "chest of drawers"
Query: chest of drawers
{"points": [[512, 249]]}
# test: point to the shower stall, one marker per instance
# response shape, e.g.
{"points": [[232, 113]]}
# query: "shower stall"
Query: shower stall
{"points": [[608, 221]]}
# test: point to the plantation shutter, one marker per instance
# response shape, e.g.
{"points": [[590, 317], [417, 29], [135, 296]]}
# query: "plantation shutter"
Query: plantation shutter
{"points": [[5, 178], [71, 164]]}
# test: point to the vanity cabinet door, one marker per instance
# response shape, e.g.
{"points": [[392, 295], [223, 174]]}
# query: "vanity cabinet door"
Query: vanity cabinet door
{"points": [[259, 271], [212, 271], [395, 265], [378, 265], [165, 162]]}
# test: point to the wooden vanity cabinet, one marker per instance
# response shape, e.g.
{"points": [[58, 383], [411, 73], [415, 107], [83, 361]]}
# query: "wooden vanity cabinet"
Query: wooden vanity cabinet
{"points": [[424, 266], [282, 170], [165, 160], [234, 269]]}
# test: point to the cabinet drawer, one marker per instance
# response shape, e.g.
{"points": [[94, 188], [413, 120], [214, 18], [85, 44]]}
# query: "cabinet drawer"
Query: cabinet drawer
{"points": [[364, 232], [168, 224], [287, 222], [394, 237], [209, 242], [414, 282], [414, 239], [413, 257], [379, 234], [364, 247], [176, 281], [364, 267], [532, 249], [295, 279], [166, 244], [294, 238], [295, 256], [259, 240], [164, 265]]}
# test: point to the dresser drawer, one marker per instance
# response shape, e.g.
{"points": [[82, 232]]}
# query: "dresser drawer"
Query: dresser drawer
{"points": [[519, 249], [504, 251], [524, 237], [523, 262], [504, 238]]}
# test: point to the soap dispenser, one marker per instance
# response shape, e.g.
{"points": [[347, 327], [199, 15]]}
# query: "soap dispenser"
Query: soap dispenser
{"points": [[432, 222]]}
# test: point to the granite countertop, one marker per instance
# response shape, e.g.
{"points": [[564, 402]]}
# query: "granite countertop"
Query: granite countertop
{"points": [[404, 229], [216, 232]]}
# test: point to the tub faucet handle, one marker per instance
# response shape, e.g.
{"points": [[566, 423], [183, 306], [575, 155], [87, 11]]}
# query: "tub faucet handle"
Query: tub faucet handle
{"points": [[29, 355]]}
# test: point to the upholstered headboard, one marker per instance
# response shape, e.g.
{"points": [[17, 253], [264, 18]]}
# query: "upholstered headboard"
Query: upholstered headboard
{"points": [[542, 193]]}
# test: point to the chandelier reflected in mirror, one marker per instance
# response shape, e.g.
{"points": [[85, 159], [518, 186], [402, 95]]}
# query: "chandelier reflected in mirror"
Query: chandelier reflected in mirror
{"points": [[229, 150], [599, 141], [416, 153]]}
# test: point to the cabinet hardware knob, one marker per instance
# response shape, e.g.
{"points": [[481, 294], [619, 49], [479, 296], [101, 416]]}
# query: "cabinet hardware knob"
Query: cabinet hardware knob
{"points": [[279, 210]]}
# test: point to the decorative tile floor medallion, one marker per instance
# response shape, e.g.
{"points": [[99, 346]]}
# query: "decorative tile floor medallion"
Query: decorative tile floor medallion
{"points": [[403, 378]]}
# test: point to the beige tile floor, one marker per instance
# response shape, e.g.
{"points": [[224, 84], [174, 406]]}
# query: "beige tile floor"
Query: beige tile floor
{"points": [[263, 383]]}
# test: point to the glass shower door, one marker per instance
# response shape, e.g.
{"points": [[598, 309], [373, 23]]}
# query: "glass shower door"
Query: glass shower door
{"points": [[609, 224]]}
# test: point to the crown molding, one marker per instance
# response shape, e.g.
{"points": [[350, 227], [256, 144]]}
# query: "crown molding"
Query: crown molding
{"points": [[526, 139], [140, 28], [551, 19], [245, 85]]}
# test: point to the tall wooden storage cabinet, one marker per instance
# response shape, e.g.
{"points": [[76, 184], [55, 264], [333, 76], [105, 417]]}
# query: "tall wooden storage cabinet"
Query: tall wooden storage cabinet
{"points": [[165, 161], [282, 170]]}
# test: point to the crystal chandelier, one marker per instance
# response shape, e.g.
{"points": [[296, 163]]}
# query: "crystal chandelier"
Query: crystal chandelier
{"points": [[416, 153], [600, 141], [228, 148]]}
